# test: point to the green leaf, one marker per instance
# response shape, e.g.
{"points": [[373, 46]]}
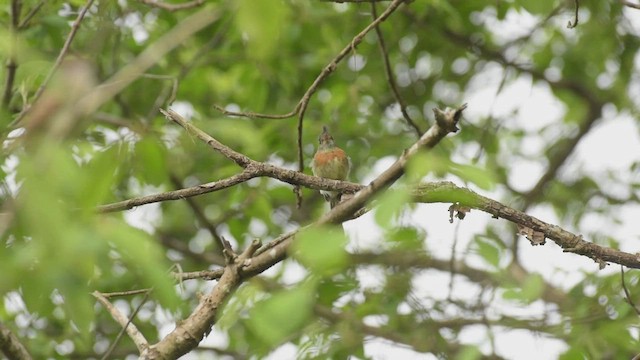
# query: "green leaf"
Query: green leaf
{"points": [[469, 353], [143, 257], [321, 249], [573, 353], [529, 291], [236, 307], [479, 176], [489, 250], [150, 161], [537, 7], [406, 238], [263, 23], [390, 204], [283, 314], [418, 166]]}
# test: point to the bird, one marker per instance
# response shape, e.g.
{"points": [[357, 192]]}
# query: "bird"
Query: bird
{"points": [[330, 162]]}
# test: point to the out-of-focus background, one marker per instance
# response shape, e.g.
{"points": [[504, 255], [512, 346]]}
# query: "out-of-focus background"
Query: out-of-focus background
{"points": [[551, 129]]}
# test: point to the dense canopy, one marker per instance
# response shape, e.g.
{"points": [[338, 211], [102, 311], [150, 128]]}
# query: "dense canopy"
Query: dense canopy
{"points": [[157, 197]]}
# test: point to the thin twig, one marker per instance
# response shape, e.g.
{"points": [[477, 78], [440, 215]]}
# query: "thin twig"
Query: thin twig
{"points": [[109, 351], [178, 194], [138, 338], [147, 58], [302, 105], [202, 218], [304, 101], [65, 48], [626, 291], [390, 79], [31, 14], [326, 71], [125, 293], [12, 66], [173, 7], [575, 19], [630, 4], [254, 115], [240, 159], [188, 333], [452, 260], [166, 96]]}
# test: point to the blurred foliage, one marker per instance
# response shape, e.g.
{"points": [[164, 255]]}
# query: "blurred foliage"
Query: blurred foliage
{"points": [[261, 56]]}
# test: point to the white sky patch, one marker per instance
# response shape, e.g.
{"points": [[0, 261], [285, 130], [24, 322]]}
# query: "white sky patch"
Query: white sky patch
{"points": [[524, 174], [284, 352], [356, 62], [380, 349], [516, 24], [614, 144], [145, 217], [527, 345], [9, 167], [186, 110]]}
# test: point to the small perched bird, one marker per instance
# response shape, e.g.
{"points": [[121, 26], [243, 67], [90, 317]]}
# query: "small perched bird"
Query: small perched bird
{"points": [[330, 162]]}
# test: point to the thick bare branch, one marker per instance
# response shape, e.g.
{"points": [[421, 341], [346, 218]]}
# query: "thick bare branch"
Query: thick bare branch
{"points": [[188, 333], [445, 123]]}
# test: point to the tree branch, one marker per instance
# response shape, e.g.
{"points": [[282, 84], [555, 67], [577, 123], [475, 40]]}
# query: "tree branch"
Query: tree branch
{"points": [[240, 159], [390, 78], [326, 71], [173, 7], [179, 194], [188, 334], [11, 346], [12, 66], [141, 343], [435, 192], [448, 192], [107, 354], [192, 330], [251, 170], [630, 4], [421, 260], [31, 14], [200, 215], [63, 52], [276, 250]]}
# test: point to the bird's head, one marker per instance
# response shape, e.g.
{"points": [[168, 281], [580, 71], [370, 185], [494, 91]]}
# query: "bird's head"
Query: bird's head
{"points": [[325, 139]]}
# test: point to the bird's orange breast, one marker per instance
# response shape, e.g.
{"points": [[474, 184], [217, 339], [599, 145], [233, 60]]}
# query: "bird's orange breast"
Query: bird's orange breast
{"points": [[324, 157], [331, 164]]}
